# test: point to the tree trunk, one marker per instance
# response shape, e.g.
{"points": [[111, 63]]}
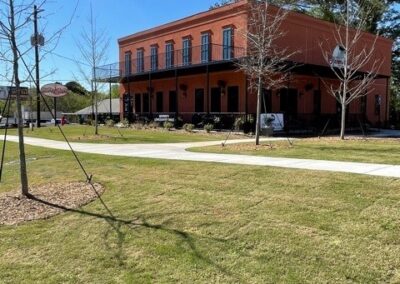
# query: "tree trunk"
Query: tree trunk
{"points": [[94, 83], [258, 124], [22, 160], [96, 122], [343, 122]]}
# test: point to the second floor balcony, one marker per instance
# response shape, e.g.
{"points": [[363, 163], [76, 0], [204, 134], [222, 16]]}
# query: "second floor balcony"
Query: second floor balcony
{"points": [[159, 62]]}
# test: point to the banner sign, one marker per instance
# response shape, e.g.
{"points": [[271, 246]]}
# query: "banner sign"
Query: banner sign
{"points": [[54, 90], [274, 120]]}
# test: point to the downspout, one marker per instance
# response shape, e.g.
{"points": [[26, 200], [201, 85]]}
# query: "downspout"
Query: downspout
{"points": [[387, 98]]}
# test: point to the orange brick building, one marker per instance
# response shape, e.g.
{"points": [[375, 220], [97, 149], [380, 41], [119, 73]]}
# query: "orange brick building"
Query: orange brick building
{"points": [[187, 69]]}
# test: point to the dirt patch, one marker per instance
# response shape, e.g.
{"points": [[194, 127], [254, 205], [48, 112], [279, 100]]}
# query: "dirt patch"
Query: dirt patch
{"points": [[351, 138], [264, 146], [48, 200]]}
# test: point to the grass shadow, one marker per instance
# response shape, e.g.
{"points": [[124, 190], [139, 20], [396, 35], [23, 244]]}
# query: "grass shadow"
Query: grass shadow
{"points": [[117, 225]]}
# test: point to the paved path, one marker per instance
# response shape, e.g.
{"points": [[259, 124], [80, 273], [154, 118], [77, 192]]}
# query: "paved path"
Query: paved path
{"points": [[176, 151]]}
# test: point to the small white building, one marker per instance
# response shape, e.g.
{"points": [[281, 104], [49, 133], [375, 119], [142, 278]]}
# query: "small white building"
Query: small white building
{"points": [[103, 111]]}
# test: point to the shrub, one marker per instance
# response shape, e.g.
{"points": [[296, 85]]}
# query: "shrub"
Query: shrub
{"points": [[138, 126], [178, 122], [168, 125], [238, 123], [208, 127], [153, 125], [188, 127], [110, 123], [125, 122]]}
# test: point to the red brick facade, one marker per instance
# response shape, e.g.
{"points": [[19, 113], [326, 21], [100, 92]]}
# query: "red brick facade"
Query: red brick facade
{"points": [[155, 86]]}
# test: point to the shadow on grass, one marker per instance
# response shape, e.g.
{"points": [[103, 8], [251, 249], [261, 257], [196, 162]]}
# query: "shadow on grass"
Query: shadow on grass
{"points": [[117, 224]]}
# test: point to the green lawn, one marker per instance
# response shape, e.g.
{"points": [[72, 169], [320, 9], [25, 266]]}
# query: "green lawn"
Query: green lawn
{"points": [[83, 133], [385, 151], [205, 223]]}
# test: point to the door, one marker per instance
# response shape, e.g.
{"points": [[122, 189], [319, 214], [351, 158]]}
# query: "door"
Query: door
{"points": [[173, 102], [146, 102], [216, 100], [317, 102], [266, 104], [138, 103], [289, 101], [199, 100], [233, 99], [159, 98]]}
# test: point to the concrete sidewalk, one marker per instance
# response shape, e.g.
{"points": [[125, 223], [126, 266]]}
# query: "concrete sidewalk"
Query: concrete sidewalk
{"points": [[177, 151]]}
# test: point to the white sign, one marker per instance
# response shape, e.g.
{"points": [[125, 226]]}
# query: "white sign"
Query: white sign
{"points": [[3, 93], [54, 90], [274, 120], [338, 56]]}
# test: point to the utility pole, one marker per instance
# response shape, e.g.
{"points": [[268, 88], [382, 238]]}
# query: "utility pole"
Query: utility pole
{"points": [[37, 40]]}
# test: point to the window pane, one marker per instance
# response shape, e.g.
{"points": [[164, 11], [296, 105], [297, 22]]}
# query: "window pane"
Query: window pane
{"points": [[140, 61], [186, 52], [169, 55], [205, 47], [154, 58], [227, 44], [128, 63]]}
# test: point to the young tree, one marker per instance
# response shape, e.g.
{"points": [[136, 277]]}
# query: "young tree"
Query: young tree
{"points": [[13, 23], [353, 61], [15, 45], [265, 63], [93, 46]]}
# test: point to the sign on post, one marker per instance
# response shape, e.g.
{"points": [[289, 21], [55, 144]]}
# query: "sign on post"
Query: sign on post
{"points": [[12, 91], [54, 90]]}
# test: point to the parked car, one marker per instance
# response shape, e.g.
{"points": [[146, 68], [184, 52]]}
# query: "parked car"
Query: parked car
{"points": [[59, 120], [12, 122]]}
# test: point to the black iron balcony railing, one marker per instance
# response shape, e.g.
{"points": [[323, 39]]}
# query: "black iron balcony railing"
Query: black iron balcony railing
{"points": [[192, 56]]}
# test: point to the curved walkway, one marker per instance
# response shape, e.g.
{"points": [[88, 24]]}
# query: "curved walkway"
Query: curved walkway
{"points": [[177, 151]]}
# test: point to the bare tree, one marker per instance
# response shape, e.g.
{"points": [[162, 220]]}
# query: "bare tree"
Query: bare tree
{"points": [[93, 46], [266, 63], [15, 45], [13, 23], [353, 61]]}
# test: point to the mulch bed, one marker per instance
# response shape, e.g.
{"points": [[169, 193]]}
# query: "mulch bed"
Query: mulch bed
{"points": [[16, 208]]}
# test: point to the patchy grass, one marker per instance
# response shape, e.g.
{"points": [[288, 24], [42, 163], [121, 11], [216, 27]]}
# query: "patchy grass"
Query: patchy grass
{"points": [[83, 133], [201, 223], [385, 151]]}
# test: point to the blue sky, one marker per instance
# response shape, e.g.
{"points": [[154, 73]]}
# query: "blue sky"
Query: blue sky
{"points": [[119, 18]]}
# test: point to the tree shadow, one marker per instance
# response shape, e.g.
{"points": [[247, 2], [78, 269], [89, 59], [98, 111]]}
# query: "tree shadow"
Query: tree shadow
{"points": [[117, 224]]}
